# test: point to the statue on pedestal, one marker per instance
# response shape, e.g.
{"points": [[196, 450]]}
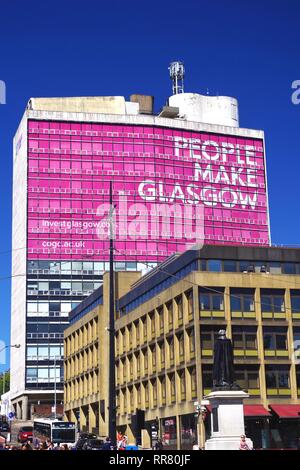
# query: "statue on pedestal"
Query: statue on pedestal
{"points": [[223, 373]]}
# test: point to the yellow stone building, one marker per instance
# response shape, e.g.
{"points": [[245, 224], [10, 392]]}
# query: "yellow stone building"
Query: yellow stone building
{"points": [[166, 324]]}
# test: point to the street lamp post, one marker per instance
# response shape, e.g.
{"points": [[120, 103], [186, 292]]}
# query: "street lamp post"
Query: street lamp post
{"points": [[55, 388]]}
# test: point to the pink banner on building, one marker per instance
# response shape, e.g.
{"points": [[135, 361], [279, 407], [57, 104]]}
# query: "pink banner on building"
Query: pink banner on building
{"points": [[172, 189]]}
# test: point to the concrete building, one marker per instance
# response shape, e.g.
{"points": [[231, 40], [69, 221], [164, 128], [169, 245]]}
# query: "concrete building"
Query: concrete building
{"points": [[192, 156], [166, 325]]}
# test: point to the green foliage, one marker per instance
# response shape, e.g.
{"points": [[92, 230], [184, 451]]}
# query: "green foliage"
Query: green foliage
{"points": [[6, 376]]}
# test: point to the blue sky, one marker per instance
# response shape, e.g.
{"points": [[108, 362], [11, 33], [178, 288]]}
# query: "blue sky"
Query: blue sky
{"points": [[247, 49]]}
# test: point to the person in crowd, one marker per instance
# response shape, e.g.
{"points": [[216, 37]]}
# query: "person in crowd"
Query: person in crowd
{"points": [[159, 445], [196, 446], [65, 447], [107, 445], [245, 444]]}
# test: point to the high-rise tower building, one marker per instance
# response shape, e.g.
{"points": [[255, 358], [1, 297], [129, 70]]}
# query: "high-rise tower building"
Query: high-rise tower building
{"points": [[180, 177]]}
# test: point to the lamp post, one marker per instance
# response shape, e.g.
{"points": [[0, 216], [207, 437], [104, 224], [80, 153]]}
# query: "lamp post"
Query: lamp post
{"points": [[111, 329], [55, 388], [17, 346]]}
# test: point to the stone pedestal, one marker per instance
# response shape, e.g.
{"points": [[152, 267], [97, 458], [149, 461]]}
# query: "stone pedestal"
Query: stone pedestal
{"points": [[227, 419]]}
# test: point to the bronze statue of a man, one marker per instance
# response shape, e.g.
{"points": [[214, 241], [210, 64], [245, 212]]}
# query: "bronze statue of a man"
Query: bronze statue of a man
{"points": [[223, 373]]}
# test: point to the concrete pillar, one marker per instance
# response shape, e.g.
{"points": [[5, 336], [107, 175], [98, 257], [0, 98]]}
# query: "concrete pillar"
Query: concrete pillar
{"points": [[19, 409], [25, 408], [92, 418], [178, 433]]}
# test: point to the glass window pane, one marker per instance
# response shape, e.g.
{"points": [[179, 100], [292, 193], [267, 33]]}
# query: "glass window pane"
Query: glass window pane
{"points": [[204, 302], [238, 342], [217, 301], [248, 303], [269, 341], [43, 307], [271, 380], [253, 381], [43, 351], [230, 266], [31, 351], [206, 341], [266, 303], [214, 265], [250, 341], [283, 380], [31, 372], [289, 268], [278, 303], [43, 373], [66, 267], [235, 303], [281, 342], [295, 301]]}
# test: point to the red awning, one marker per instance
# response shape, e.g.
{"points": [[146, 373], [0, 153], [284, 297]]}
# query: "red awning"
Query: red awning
{"points": [[255, 410], [286, 411], [250, 410]]}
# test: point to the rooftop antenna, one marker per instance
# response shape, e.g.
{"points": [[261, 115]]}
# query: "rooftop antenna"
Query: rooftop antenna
{"points": [[177, 75]]}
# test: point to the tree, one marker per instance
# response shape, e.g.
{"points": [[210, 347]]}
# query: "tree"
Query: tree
{"points": [[6, 376]]}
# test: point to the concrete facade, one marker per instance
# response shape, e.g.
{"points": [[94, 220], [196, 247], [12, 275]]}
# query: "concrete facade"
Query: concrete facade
{"points": [[165, 329]]}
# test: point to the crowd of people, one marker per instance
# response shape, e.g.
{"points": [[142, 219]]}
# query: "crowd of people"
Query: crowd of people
{"points": [[29, 445]]}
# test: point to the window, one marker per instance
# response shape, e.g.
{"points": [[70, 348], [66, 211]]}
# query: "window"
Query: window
{"points": [[138, 364], [172, 387], [153, 353], [145, 360], [182, 385], [214, 265], [207, 379], [211, 300], [181, 346], [190, 303], [247, 377], [191, 334], [179, 308], [162, 352], [272, 301], [160, 312], [193, 376], [230, 266], [277, 377], [152, 322], [242, 300], [171, 349], [170, 314], [31, 352], [163, 389], [145, 328], [146, 388], [208, 335], [275, 338], [295, 301], [137, 332], [244, 337]]}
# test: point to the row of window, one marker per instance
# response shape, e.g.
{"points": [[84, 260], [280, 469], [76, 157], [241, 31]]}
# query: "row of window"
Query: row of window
{"points": [[242, 300], [81, 267], [47, 287], [274, 338], [42, 308], [272, 267]]}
